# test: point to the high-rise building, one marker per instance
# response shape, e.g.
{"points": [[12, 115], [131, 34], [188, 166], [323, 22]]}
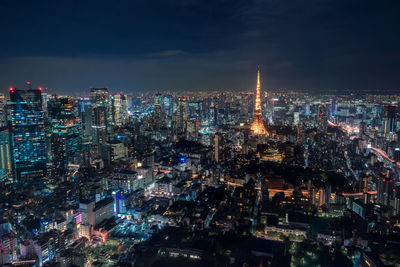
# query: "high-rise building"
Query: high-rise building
{"points": [[157, 99], [3, 114], [322, 119], [396, 204], [307, 108], [257, 127], [27, 121], [65, 143], [192, 129], [194, 109], [45, 99], [5, 150], [218, 146], [385, 187], [157, 110], [8, 248], [296, 118], [324, 196], [182, 113], [333, 110], [119, 109], [85, 114], [396, 154], [389, 119], [99, 98], [168, 105], [212, 116]]}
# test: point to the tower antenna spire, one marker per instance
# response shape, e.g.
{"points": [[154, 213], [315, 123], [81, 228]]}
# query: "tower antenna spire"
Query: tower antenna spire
{"points": [[258, 126]]}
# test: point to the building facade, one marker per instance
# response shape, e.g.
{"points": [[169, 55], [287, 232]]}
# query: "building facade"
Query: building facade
{"points": [[27, 121]]}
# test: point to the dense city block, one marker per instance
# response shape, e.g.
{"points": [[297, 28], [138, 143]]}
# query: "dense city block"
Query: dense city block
{"points": [[255, 178]]}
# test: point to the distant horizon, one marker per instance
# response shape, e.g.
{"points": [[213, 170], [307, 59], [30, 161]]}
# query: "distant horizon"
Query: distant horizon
{"points": [[322, 91], [192, 45], [344, 90]]}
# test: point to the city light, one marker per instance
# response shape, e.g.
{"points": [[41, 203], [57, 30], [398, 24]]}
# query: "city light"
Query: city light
{"points": [[152, 142]]}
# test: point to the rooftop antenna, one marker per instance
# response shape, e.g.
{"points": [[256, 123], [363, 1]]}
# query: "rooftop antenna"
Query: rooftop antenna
{"points": [[29, 85]]}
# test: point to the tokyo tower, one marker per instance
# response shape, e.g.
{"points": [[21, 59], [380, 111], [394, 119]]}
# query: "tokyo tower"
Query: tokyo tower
{"points": [[257, 127]]}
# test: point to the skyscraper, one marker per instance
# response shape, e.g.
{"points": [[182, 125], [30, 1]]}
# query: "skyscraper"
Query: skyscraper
{"points": [[257, 127], [333, 110], [65, 143], [168, 105], [212, 116], [389, 119], [3, 115], [99, 98], [158, 110], [85, 114], [194, 109], [218, 140], [385, 192], [322, 119], [157, 99], [5, 149], [307, 108], [119, 109], [182, 113], [27, 121]]}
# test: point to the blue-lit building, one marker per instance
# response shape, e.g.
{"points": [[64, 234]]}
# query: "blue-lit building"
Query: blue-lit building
{"points": [[64, 130], [168, 105], [5, 151], [157, 99], [333, 111], [85, 114], [27, 122], [307, 109], [122, 202], [3, 115], [213, 115], [194, 109]]}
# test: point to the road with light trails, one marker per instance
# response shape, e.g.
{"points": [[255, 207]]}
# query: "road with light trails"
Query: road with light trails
{"points": [[383, 154]]}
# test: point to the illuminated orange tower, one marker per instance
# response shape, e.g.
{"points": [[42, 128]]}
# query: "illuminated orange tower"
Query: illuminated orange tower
{"points": [[257, 127]]}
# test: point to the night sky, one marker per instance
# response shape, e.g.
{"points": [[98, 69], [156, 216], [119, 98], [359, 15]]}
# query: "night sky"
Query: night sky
{"points": [[70, 46]]}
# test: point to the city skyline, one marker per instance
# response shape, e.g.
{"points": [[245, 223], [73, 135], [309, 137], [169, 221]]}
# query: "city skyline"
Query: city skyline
{"points": [[145, 133], [196, 45]]}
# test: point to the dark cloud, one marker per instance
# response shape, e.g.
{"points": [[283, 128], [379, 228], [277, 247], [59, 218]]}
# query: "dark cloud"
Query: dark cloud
{"points": [[173, 44], [167, 53]]}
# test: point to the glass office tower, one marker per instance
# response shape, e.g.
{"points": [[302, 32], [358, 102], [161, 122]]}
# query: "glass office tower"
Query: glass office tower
{"points": [[27, 122], [65, 144]]}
